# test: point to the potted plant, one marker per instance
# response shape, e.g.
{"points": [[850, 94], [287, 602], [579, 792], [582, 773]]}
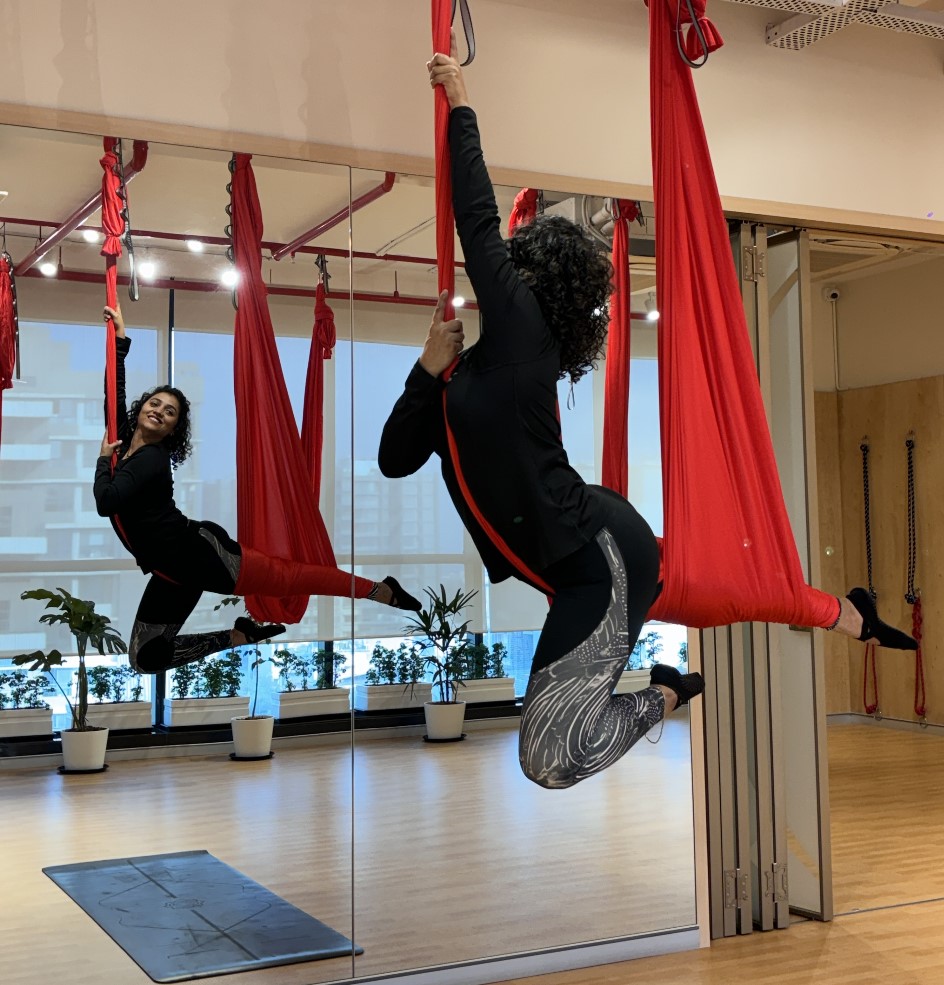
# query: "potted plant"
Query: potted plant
{"points": [[206, 692], [252, 733], [444, 643], [83, 744], [117, 692], [23, 712], [308, 685], [644, 655], [393, 679], [482, 673]]}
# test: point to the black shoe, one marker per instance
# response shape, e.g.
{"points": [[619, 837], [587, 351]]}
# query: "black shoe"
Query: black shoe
{"points": [[874, 628], [401, 598], [685, 686], [256, 632]]}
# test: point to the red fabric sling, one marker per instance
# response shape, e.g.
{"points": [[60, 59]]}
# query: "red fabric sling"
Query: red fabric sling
{"points": [[7, 330], [323, 339], [276, 513], [445, 219], [524, 209], [113, 225], [729, 553], [616, 385]]}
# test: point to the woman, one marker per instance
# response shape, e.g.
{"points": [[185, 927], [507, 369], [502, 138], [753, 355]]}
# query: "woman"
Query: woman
{"points": [[187, 557], [493, 421]]}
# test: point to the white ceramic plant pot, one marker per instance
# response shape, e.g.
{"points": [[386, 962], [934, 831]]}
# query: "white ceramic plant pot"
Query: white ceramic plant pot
{"points": [[84, 751], [444, 720], [252, 737]]}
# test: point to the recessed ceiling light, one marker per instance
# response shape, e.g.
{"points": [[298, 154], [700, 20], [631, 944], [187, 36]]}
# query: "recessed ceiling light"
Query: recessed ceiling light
{"points": [[229, 278], [147, 269], [48, 269], [652, 312], [194, 245], [458, 301], [91, 235]]}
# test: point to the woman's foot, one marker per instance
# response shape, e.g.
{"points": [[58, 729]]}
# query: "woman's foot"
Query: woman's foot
{"points": [[391, 592], [246, 630], [674, 684], [858, 618]]}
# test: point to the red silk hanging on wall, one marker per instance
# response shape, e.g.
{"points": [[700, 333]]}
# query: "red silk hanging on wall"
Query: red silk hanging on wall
{"points": [[323, 339], [276, 513], [7, 330], [729, 554], [615, 474]]}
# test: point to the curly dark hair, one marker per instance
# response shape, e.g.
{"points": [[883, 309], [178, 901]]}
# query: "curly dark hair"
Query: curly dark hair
{"points": [[572, 278], [178, 441]]}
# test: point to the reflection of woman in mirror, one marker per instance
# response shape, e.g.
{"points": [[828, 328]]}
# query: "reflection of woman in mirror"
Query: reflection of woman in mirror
{"points": [[494, 423], [187, 557]]}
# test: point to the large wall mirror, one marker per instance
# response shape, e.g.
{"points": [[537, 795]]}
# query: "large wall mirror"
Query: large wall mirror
{"points": [[423, 854]]}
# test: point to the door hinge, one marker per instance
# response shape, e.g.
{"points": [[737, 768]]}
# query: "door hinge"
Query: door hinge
{"points": [[737, 889], [755, 263], [775, 883]]}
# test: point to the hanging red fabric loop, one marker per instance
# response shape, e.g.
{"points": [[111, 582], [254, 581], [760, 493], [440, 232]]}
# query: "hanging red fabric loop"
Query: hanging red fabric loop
{"points": [[113, 225], [615, 473], [276, 513], [695, 48], [729, 553], [524, 209], [323, 339], [8, 329], [917, 631]]}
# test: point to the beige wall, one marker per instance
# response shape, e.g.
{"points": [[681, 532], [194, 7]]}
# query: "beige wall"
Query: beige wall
{"points": [[561, 86]]}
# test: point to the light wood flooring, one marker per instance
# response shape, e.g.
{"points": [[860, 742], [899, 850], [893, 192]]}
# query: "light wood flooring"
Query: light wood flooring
{"points": [[456, 855]]}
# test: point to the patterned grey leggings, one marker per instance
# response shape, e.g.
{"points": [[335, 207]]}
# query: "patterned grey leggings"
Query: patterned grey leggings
{"points": [[572, 725]]}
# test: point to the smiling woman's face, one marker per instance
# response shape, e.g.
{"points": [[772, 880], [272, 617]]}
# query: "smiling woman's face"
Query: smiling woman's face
{"points": [[158, 416]]}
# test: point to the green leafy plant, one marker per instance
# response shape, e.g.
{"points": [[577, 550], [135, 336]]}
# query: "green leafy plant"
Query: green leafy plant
{"points": [[89, 628], [19, 690], [479, 663], [646, 651], [115, 684], [443, 639], [254, 670], [326, 665], [683, 654], [405, 665], [294, 670], [209, 677]]}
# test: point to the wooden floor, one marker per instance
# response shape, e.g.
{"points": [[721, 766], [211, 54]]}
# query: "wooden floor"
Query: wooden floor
{"points": [[456, 856]]}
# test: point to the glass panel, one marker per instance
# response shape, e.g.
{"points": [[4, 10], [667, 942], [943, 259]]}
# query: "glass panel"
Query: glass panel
{"points": [[51, 535], [468, 808]]}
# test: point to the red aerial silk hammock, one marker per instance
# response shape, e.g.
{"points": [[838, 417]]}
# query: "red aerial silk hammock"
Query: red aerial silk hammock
{"points": [[323, 338], [7, 329], [276, 513], [616, 386], [729, 553], [524, 209]]}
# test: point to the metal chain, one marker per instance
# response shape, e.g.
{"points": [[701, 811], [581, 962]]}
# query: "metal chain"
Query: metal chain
{"points": [[910, 594], [864, 448], [228, 228]]}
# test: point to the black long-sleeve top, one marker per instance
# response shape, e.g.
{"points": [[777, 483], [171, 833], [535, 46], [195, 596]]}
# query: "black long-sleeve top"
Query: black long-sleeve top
{"points": [[139, 497], [501, 400]]}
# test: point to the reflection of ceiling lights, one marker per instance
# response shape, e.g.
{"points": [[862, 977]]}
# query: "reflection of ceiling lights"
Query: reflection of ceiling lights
{"points": [[147, 269], [91, 235], [194, 245], [48, 269], [652, 312], [229, 278], [458, 301]]}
